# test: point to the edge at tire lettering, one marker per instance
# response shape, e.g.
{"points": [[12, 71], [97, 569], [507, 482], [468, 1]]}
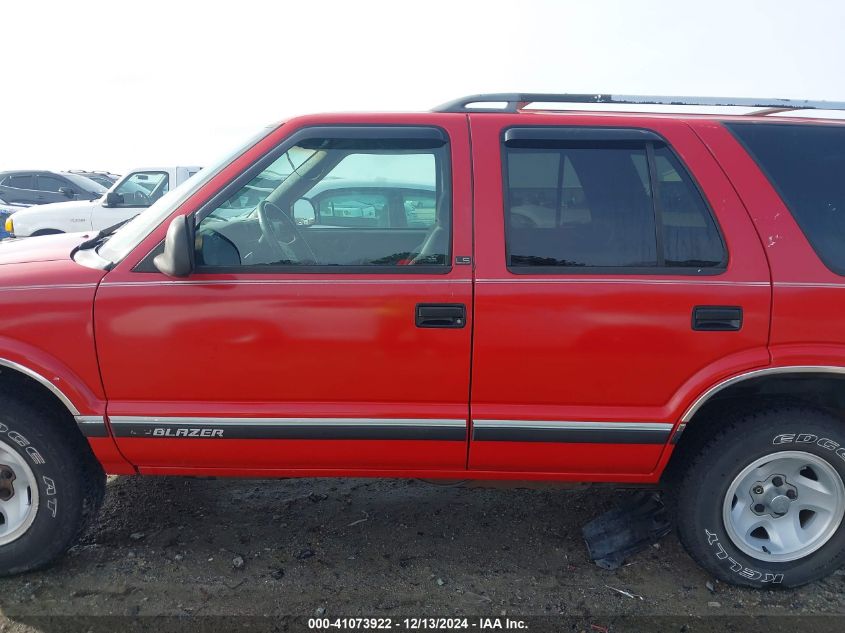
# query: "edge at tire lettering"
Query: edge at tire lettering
{"points": [[739, 568]]}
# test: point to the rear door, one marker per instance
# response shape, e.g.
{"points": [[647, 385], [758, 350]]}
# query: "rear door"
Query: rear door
{"points": [[303, 346], [609, 279]]}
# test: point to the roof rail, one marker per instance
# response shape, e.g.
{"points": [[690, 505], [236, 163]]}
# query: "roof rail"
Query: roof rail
{"points": [[516, 101]]}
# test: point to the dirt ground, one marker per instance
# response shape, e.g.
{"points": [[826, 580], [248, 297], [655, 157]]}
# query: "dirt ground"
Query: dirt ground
{"points": [[380, 548]]}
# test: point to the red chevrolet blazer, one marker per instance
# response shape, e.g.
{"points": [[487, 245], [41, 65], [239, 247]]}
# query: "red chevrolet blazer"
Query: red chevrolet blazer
{"points": [[484, 291]]}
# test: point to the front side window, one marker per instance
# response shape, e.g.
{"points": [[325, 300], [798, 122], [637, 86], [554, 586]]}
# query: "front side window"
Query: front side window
{"points": [[142, 189], [51, 183], [626, 205], [346, 203]]}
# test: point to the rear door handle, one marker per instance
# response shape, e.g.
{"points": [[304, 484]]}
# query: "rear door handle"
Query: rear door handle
{"points": [[441, 315], [717, 318]]}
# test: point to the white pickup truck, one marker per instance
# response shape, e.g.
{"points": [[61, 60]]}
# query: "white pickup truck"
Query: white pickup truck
{"points": [[128, 197]]}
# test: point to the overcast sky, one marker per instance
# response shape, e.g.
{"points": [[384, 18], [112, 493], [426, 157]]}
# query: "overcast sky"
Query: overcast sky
{"points": [[112, 85]]}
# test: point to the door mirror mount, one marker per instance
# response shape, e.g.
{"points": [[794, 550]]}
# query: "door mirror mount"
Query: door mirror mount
{"points": [[177, 260], [67, 192]]}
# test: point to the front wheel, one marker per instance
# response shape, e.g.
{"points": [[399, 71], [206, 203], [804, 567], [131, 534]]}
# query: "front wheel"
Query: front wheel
{"points": [[50, 485], [762, 503]]}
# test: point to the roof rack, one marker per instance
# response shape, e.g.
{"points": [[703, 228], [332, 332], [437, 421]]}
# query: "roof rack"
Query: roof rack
{"points": [[516, 101]]}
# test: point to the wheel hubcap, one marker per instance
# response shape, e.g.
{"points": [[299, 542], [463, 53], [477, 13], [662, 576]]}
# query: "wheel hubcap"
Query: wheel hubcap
{"points": [[784, 506], [18, 495]]}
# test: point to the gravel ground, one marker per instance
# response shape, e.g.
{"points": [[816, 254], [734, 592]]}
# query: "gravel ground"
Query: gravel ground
{"points": [[382, 548]]}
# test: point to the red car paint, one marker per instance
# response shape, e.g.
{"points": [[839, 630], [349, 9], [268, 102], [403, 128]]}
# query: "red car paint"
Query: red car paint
{"points": [[563, 349]]}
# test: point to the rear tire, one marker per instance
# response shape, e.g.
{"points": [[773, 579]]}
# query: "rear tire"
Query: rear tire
{"points": [[51, 485], [762, 503]]}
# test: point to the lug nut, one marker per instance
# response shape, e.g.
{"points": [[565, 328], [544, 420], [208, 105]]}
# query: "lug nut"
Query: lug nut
{"points": [[759, 507], [777, 482], [758, 490], [5, 474], [791, 494]]}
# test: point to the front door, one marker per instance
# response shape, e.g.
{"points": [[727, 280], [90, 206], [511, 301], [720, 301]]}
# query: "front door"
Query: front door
{"points": [[609, 281], [326, 325]]}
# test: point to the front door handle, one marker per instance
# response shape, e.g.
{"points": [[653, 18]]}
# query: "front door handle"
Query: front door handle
{"points": [[717, 318], [441, 315]]}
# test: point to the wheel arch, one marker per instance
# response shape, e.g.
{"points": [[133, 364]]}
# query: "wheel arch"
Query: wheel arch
{"points": [[817, 386], [827, 371], [41, 232], [33, 375]]}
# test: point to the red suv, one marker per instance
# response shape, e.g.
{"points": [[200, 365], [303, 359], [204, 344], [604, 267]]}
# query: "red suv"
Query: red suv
{"points": [[476, 292]]}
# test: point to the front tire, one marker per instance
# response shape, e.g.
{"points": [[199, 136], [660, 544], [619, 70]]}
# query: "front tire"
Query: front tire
{"points": [[50, 485], [762, 503]]}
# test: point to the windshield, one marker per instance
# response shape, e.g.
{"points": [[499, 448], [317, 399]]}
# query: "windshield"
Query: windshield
{"points": [[132, 233], [86, 183], [101, 180]]}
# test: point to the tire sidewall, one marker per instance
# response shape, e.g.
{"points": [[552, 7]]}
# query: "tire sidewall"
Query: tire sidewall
{"points": [[59, 496], [806, 431]]}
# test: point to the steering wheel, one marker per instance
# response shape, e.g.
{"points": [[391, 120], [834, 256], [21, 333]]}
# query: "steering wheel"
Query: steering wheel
{"points": [[147, 202], [282, 234]]}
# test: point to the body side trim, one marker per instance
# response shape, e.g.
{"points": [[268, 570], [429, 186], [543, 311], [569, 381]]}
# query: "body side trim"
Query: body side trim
{"points": [[92, 425], [289, 428], [571, 432], [328, 422], [284, 282], [619, 280]]}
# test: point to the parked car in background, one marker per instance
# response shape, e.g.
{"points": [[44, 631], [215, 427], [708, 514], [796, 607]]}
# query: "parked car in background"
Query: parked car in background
{"points": [[5, 211], [129, 196], [338, 202], [44, 187], [105, 178]]}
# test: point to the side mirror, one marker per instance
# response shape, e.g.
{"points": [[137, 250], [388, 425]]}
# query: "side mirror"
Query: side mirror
{"points": [[67, 192], [177, 260], [304, 213], [113, 199]]}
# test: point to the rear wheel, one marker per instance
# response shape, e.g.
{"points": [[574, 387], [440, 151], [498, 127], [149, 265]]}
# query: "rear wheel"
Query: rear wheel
{"points": [[762, 503], [50, 485]]}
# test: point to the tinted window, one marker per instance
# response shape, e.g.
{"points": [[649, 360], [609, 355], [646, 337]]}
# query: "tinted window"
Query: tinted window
{"points": [[85, 184], [593, 205], [351, 203], [104, 181], [806, 164], [21, 181], [690, 236], [50, 183]]}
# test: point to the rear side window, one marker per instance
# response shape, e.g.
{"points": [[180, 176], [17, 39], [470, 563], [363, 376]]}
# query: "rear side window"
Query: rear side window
{"points": [[23, 181], [624, 205], [806, 165]]}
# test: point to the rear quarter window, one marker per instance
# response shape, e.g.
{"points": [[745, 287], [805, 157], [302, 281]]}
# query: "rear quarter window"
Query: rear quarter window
{"points": [[805, 163]]}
